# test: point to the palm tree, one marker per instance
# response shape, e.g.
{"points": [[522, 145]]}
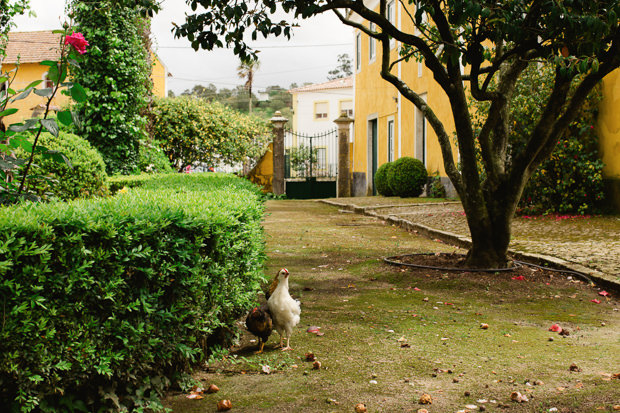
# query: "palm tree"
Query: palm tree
{"points": [[246, 70]]}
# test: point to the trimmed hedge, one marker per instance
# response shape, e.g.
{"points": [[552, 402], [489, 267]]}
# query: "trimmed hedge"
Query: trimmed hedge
{"points": [[381, 180], [407, 177], [105, 300]]}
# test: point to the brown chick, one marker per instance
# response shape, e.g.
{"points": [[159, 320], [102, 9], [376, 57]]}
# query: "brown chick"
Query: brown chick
{"points": [[259, 323]]}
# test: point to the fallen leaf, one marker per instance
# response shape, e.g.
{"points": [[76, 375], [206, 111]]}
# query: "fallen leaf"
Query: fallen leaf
{"points": [[595, 301], [313, 329], [517, 397], [484, 326], [360, 408], [310, 357], [416, 289], [194, 396], [316, 365], [405, 345], [574, 367], [604, 293], [426, 399]]}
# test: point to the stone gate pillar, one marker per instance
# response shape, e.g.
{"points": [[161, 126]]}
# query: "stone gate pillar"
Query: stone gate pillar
{"points": [[278, 122], [344, 167]]}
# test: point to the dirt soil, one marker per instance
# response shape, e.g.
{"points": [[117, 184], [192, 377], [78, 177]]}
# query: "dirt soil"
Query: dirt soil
{"points": [[392, 334]]}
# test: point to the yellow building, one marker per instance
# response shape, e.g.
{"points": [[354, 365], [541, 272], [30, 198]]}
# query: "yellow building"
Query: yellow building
{"points": [[388, 126], [30, 49], [609, 135]]}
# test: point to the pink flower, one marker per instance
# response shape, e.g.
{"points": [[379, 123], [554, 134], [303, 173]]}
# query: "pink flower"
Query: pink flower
{"points": [[78, 41]]}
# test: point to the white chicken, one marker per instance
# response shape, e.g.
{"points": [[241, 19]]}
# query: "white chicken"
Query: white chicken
{"points": [[285, 310]]}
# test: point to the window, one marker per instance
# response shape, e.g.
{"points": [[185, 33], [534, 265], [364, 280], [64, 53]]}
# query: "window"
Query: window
{"points": [[321, 158], [320, 110], [346, 106], [390, 12], [371, 44], [390, 142], [358, 51], [424, 17]]}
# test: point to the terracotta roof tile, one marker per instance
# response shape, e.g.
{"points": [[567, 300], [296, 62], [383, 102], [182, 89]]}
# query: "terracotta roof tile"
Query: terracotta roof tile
{"points": [[343, 83], [32, 47]]}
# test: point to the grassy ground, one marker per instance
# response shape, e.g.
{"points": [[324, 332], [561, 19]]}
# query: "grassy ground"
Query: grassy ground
{"points": [[368, 311]]}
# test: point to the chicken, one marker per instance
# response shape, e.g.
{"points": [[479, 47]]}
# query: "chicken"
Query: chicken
{"points": [[285, 311], [259, 323]]}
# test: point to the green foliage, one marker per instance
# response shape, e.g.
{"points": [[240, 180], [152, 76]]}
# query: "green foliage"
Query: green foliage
{"points": [[10, 9], [302, 160], [116, 70], [571, 180], [152, 158], [104, 301], [193, 131], [407, 177], [381, 179], [83, 177], [436, 189]]}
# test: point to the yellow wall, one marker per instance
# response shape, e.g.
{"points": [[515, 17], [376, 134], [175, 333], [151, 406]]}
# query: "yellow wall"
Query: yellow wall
{"points": [[375, 96], [26, 74], [159, 77], [609, 125], [29, 72]]}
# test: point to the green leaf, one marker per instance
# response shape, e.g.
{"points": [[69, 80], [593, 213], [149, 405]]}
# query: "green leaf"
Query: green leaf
{"points": [[51, 126], [23, 95], [78, 93], [57, 157], [59, 31], [34, 84], [65, 117], [47, 92], [49, 63], [76, 119], [54, 74], [21, 127], [8, 112]]}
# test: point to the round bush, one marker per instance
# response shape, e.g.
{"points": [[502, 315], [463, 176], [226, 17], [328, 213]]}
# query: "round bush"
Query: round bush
{"points": [[381, 180], [85, 179], [407, 177]]}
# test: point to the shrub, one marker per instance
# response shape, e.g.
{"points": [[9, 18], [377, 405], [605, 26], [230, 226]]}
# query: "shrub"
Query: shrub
{"points": [[436, 189], [381, 180], [193, 131], [152, 159], [105, 300], [407, 177], [83, 179]]}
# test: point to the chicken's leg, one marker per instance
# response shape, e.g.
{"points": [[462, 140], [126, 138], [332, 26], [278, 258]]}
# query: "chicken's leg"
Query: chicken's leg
{"points": [[261, 345], [288, 347]]}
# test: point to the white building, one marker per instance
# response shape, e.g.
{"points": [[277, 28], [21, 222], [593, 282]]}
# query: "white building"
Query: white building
{"points": [[315, 107]]}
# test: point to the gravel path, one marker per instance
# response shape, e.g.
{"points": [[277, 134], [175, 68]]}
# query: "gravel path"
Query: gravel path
{"points": [[592, 242]]}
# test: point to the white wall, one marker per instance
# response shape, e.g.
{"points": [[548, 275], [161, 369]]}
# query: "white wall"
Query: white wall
{"points": [[304, 113]]}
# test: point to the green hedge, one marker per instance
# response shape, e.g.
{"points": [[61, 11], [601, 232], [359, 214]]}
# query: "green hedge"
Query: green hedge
{"points": [[381, 180], [106, 300], [407, 177]]}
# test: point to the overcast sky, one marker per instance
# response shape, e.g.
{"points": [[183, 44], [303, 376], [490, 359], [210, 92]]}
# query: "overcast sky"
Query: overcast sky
{"points": [[307, 57]]}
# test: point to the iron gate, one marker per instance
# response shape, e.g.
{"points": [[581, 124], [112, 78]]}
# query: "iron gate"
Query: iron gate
{"points": [[310, 164]]}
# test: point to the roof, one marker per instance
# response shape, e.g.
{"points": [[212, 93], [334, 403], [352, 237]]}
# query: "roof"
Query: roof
{"points": [[343, 83], [32, 47]]}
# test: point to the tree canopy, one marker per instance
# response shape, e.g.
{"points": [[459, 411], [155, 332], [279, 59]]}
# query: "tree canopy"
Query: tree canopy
{"points": [[494, 41]]}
